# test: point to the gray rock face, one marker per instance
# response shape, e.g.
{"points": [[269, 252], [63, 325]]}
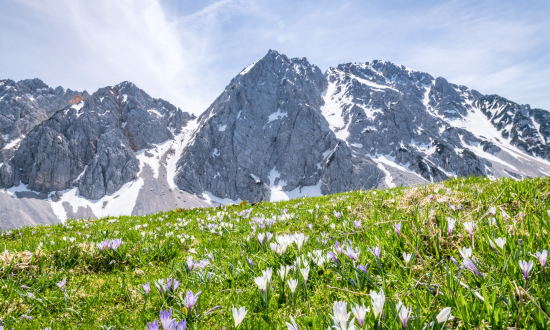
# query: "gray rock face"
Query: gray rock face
{"points": [[280, 128], [90, 144], [114, 165], [426, 125], [24, 105], [266, 129]]}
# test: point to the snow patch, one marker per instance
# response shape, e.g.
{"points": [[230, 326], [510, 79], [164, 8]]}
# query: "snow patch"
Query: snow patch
{"points": [[248, 68], [221, 128], [12, 144], [124, 203]]}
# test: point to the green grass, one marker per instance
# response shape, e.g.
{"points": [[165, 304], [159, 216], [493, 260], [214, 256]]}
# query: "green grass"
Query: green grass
{"points": [[104, 288]]}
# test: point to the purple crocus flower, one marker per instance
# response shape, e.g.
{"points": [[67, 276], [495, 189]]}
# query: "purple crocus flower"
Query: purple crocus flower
{"points": [[376, 251], [363, 268], [338, 248], [268, 236], [357, 224], [175, 285], [250, 262], [105, 245], [333, 257], [310, 226], [166, 319], [468, 263], [542, 257], [452, 206], [62, 283], [115, 244], [525, 268], [397, 228], [191, 299], [337, 215], [190, 263], [147, 288], [153, 325], [352, 254], [182, 325]]}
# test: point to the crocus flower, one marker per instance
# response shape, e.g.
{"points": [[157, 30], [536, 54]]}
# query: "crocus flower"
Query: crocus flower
{"points": [[305, 273], [363, 268], [338, 248], [268, 273], [357, 224], [333, 257], [310, 226], [378, 300], [293, 325], [191, 299], [352, 254], [468, 263], [404, 314], [542, 256], [166, 319], [238, 315], [465, 252], [182, 325], [450, 226], [407, 257], [175, 285], [525, 268], [153, 325], [500, 242], [147, 288], [444, 315], [504, 214], [469, 226], [268, 236], [452, 206], [492, 221], [292, 284], [115, 244], [250, 262], [397, 228], [190, 263], [359, 311], [61, 284], [261, 237], [261, 282], [493, 210], [376, 251], [340, 315]]}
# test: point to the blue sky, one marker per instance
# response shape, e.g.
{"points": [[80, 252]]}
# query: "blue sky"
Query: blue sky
{"points": [[187, 51]]}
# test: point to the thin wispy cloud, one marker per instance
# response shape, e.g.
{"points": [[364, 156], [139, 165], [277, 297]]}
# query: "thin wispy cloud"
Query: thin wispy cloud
{"points": [[188, 51]]}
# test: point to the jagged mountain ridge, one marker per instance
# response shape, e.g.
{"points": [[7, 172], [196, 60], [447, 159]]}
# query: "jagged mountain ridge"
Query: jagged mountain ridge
{"points": [[280, 129]]}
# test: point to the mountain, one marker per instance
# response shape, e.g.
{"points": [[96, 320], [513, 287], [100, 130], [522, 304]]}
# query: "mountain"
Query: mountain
{"points": [[281, 128]]}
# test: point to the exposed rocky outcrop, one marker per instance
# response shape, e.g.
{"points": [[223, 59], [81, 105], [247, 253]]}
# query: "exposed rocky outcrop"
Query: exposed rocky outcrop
{"points": [[266, 129]]}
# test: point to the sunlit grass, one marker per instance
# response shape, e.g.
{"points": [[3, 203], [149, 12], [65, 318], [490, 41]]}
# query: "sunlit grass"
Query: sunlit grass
{"points": [[218, 252]]}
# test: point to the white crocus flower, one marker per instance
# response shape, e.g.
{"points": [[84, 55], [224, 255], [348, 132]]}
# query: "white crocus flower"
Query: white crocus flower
{"points": [[500, 242], [444, 315], [378, 300], [292, 284], [305, 273], [238, 315], [268, 273], [466, 253], [407, 257], [293, 325]]}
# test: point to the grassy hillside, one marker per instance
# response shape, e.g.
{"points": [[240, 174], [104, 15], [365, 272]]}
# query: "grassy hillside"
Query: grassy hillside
{"points": [[90, 274]]}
